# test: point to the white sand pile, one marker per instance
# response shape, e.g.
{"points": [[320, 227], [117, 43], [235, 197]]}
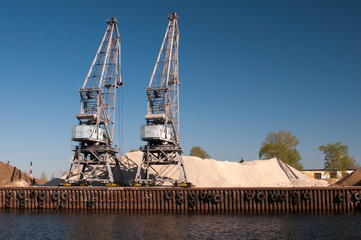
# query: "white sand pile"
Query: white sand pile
{"points": [[212, 173], [17, 183]]}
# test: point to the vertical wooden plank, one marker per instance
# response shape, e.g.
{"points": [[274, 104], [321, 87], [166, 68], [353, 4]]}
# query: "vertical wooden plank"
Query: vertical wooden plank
{"points": [[346, 200], [287, 202], [254, 206], [265, 203], [144, 200], [332, 202], [127, 205], [200, 201], [115, 197], [99, 199], [89, 198], [327, 201], [105, 200], [236, 202], [96, 199], [119, 199], [112, 198], [312, 200], [82, 198], [108, 200], [319, 201], [166, 203], [124, 199], [135, 198], [79, 199], [324, 200], [230, 202], [47, 204], [159, 200], [150, 199], [163, 200], [225, 201]]}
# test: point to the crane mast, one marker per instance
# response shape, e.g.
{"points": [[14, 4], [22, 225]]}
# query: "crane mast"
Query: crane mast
{"points": [[162, 161], [95, 157]]}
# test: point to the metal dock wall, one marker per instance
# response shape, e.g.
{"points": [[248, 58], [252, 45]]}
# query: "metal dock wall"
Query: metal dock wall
{"points": [[340, 199]]}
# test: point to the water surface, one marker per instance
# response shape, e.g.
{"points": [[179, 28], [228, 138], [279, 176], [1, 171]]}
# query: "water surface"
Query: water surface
{"points": [[45, 224]]}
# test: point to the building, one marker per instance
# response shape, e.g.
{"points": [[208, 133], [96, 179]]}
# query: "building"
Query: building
{"points": [[322, 174]]}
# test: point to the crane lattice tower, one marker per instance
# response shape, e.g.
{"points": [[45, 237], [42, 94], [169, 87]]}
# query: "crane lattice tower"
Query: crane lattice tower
{"points": [[162, 161], [95, 157]]}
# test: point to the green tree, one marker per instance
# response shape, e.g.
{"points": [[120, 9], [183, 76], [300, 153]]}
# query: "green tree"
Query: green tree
{"points": [[199, 152], [52, 176], [337, 158], [43, 176], [281, 145]]}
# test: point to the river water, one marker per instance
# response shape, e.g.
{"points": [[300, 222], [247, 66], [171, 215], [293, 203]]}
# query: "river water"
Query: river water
{"points": [[42, 224]]}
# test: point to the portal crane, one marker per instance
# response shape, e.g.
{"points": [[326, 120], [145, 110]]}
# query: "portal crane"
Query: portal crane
{"points": [[94, 155], [162, 161]]}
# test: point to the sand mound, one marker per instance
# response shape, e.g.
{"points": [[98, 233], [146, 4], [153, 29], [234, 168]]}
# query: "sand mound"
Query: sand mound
{"points": [[353, 179], [10, 176], [212, 173]]}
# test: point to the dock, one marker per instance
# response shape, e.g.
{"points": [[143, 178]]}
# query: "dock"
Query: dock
{"points": [[170, 199]]}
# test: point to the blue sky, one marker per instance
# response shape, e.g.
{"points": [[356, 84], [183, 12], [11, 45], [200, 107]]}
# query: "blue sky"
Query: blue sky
{"points": [[246, 67]]}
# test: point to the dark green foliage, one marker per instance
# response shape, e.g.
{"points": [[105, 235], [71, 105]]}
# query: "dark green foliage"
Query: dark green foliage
{"points": [[337, 158], [199, 152], [281, 145]]}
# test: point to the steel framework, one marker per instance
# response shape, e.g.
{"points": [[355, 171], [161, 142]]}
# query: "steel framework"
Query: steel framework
{"points": [[162, 161], [94, 158]]}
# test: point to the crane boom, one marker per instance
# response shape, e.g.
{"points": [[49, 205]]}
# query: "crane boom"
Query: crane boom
{"points": [[94, 156], [162, 161]]}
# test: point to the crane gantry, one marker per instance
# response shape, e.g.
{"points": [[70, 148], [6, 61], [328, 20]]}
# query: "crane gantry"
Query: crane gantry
{"points": [[95, 157], [162, 161]]}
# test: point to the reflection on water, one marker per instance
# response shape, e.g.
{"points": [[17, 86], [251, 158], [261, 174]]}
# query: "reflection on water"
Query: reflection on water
{"points": [[43, 224]]}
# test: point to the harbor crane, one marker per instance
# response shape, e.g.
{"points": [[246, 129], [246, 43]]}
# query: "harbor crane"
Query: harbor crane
{"points": [[162, 162], [95, 157]]}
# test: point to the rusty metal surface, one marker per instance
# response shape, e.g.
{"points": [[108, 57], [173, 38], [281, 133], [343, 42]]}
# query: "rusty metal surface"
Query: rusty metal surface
{"points": [[340, 199]]}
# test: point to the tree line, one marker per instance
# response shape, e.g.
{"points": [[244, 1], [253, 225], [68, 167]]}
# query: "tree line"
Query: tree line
{"points": [[282, 145]]}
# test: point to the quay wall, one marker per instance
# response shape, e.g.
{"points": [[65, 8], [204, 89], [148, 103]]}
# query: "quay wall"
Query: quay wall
{"points": [[338, 199]]}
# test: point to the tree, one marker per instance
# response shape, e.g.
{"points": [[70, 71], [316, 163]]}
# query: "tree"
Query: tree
{"points": [[52, 176], [199, 152], [281, 145], [337, 158], [43, 176]]}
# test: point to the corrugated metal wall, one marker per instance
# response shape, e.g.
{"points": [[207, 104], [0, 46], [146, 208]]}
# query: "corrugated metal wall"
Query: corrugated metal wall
{"points": [[342, 199]]}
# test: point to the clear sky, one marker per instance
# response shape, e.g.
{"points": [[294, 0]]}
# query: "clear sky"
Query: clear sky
{"points": [[246, 67]]}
